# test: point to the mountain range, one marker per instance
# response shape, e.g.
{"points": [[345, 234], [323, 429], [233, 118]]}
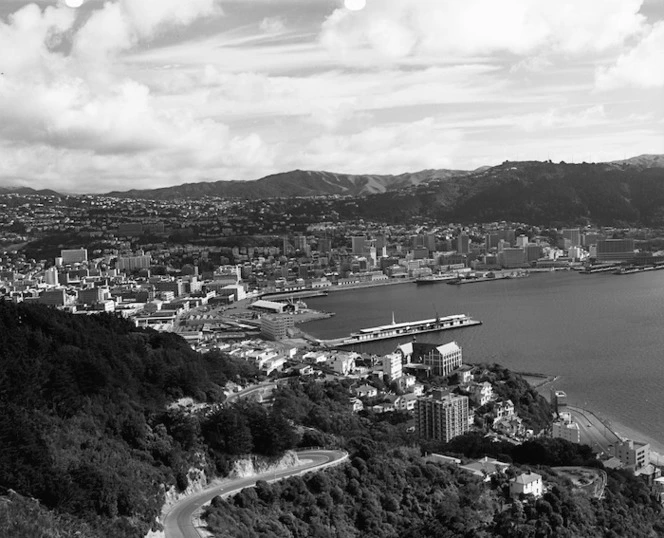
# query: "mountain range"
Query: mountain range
{"points": [[629, 191], [295, 183]]}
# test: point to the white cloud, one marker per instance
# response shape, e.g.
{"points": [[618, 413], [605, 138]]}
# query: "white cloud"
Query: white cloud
{"points": [[642, 66], [389, 149], [447, 27], [272, 25], [556, 118]]}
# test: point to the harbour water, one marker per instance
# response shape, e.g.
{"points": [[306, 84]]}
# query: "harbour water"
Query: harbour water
{"points": [[602, 334]]}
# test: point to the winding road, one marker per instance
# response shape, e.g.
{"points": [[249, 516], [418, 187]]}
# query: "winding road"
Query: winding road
{"points": [[178, 521]]}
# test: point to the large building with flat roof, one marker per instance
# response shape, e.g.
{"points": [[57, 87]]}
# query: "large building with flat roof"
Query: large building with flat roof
{"points": [[615, 250], [275, 326]]}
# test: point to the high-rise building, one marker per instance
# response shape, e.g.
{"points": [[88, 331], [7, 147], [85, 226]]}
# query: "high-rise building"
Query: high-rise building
{"points": [[508, 235], [463, 243], [533, 252], [491, 240], [431, 242], [522, 241], [574, 235], [615, 249], [51, 276], [301, 242], [324, 245], [78, 255], [392, 366], [359, 243], [591, 238], [441, 416], [133, 263]]}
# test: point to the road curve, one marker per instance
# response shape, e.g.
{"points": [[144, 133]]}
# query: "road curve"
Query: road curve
{"points": [[178, 521], [593, 432]]}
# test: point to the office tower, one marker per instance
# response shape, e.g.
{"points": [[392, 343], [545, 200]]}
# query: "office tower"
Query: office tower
{"points": [[463, 243]]}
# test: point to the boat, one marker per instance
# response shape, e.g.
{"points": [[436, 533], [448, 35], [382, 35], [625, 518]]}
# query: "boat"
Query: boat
{"points": [[409, 328], [435, 279]]}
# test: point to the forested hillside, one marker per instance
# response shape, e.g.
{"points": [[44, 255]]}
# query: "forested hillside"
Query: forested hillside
{"points": [[532, 192], [89, 442], [84, 423]]}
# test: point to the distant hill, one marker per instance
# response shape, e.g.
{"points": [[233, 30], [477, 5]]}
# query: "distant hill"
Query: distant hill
{"points": [[533, 192], [642, 161], [27, 191], [295, 183]]}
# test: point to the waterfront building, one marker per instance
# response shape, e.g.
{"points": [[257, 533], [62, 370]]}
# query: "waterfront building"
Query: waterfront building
{"points": [[359, 243], [565, 428], [522, 241], [591, 238], [632, 454], [491, 241], [276, 326], [574, 236], [392, 366], [441, 416], [526, 483], [463, 243], [558, 401], [511, 258], [70, 256], [615, 250], [533, 252], [443, 360], [508, 235]]}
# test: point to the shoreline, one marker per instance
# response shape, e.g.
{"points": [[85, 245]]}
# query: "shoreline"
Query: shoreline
{"points": [[614, 426]]}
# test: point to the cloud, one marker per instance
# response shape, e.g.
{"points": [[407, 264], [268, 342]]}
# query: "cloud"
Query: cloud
{"points": [[556, 118], [639, 67], [64, 104], [389, 149], [398, 29], [272, 25]]}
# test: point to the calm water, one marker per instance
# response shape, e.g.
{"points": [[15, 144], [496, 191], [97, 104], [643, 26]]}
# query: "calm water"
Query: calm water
{"points": [[603, 334]]}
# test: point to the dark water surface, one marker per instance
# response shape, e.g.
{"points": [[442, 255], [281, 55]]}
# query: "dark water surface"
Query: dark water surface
{"points": [[603, 334]]}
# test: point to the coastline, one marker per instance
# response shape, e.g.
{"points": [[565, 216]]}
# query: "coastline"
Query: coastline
{"points": [[540, 383]]}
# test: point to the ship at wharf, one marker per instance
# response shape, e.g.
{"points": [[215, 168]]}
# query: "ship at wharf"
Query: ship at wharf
{"points": [[400, 330]]}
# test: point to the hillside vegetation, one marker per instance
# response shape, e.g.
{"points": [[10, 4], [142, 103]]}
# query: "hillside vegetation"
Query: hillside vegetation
{"points": [[89, 442], [84, 423]]}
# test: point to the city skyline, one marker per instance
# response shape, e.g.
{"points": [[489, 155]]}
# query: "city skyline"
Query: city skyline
{"points": [[128, 94]]}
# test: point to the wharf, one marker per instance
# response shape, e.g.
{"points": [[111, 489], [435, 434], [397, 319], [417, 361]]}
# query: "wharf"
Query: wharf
{"points": [[402, 330], [288, 295]]}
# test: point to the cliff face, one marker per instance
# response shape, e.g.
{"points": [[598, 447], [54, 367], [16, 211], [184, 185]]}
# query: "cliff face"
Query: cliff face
{"points": [[255, 465]]}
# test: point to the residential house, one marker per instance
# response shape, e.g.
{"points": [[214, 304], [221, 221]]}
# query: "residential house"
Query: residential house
{"points": [[527, 483]]}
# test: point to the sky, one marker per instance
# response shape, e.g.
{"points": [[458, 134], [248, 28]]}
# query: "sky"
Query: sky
{"points": [[123, 94]]}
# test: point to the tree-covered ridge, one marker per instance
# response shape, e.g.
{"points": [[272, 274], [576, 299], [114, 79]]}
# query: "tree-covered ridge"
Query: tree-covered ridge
{"points": [[84, 424], [393, 492]]}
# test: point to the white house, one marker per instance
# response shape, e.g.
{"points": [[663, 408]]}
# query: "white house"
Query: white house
{"points": [[366, 391], [526, 483]]}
